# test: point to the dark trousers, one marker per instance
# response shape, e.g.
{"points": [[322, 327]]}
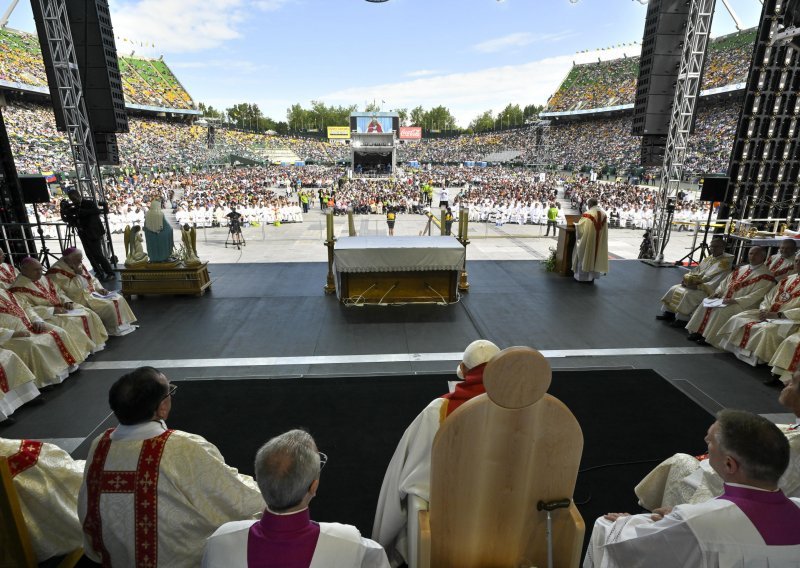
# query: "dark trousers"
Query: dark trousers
{"points": [[553, 224], [93, 248]]}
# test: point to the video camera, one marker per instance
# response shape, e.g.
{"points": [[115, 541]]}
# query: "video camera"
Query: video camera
{"points": [[234, 224], [69, 213]]}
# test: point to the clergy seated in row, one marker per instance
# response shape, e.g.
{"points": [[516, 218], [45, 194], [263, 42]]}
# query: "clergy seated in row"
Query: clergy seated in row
{"points": [[8, 273], [17, 384], [752, 523], [741, 290], [697, 284], [47, 350], [409, 471], [684, 479], [781, 264], [36, 291], [288, 472], [754, 335], [47, 481], [78, 285], [151, 495]]}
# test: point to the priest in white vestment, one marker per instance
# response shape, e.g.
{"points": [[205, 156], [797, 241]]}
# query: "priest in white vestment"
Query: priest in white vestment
{"points": [[71, 276], [288, 472], [17, 384], [590, 258], [150, 495], [691, 479], [782, 262], [47, 350], [697, 284], [33, 289], [741, 290], [8, 272], [754, 335], [409, 471], [47, 481], [751, 524]]}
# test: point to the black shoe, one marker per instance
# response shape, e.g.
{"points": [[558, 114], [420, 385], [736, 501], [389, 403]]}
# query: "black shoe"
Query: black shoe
{"points": [[38, 401], [8, 421], [774, 382], [702, 341], [666, 316], [678, 323], [694, 337]]}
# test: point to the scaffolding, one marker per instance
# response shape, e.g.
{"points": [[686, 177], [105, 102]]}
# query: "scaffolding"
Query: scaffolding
{"points": [[687, 91]]}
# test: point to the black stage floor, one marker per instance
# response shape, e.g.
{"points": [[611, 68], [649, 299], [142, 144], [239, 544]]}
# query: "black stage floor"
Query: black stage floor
{"points": [[274, 320]]}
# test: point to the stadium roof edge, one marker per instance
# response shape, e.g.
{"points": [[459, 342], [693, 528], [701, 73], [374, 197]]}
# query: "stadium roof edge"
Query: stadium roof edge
{"points": [[45, 91], [735, 87]]}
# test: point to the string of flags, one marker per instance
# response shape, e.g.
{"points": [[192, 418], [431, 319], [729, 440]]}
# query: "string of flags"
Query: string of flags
{"points": [[610, 47]]}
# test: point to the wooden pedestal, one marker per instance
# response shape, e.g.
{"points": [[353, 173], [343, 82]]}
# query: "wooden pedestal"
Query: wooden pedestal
{"points": [[566, 244], [179, 280]]}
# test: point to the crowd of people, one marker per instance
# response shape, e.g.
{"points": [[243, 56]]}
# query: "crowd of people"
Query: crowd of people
{"points": [[613, 82], [144, 81]]}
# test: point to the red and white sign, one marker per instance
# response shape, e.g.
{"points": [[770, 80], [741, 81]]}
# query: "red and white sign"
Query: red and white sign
{"points": [[410, 133]]}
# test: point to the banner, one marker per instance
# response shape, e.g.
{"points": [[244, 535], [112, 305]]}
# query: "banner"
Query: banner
{"points": [[338, 132], [410, 133]]}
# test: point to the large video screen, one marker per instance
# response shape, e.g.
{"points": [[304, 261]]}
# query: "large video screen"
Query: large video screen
{"points": [[374, 123]]}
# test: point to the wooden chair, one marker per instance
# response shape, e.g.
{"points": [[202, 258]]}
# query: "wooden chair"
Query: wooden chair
{"points": [[492, 461], [15, 544]]}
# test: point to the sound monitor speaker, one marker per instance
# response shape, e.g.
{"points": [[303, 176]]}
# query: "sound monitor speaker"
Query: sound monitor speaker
{"points": [[34, 189], [714, 188], [653, 149], [96, 53]]}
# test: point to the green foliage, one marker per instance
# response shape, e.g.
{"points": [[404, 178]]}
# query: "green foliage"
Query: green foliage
{"points": [[318, 117], [549, 264]]}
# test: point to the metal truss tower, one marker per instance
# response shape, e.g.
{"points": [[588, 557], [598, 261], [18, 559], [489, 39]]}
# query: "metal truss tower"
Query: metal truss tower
{"points": [[71, 98], [687, 91], [541, 153]]}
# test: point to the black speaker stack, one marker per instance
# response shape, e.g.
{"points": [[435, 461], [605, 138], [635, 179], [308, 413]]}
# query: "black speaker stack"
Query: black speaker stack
{"points": [[96, 52], [659, 63]]}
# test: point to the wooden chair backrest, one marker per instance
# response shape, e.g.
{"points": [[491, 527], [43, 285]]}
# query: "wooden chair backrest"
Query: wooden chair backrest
{"points": [[15, 544], [493, 459]]}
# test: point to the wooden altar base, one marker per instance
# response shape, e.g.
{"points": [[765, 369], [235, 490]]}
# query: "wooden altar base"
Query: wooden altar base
{"points": [[192, 280], [398, 287]]}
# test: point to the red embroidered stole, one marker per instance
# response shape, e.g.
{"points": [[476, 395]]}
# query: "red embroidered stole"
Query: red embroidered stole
{"points": [[776, 269], [90, 287], [782, 297], [142, 482], [598, 226], [25, 458], [50, 295], [3, 380], [738, 282], [7, 275], [11, 307]]}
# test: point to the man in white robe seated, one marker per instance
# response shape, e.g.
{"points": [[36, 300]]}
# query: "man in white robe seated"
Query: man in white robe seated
{"points": [[741, 290], [751, 524], [33, 289], [409, 471], [71, 276], [688, 479], [590, 259], [17, 384], [151, 495], [288, 471], [8, 272], [781, 263], [754, 335], [47, 481], [47, 350], [696, 285]]}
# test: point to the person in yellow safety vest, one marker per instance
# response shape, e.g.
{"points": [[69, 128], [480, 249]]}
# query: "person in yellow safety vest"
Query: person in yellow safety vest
{"points": [[390, 218]]}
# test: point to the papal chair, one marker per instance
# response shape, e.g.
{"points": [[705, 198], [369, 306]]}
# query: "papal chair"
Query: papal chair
{"points": [[16, 550], [493, 460]]}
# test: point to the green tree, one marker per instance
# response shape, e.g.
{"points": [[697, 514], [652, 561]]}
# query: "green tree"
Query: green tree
{"points": [[209, 111], [532, 111], [483, 122], [403, 114], [417, 116], [372, 107], [440, 118], [510, 116]]}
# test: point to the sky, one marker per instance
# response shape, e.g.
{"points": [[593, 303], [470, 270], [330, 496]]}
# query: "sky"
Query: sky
{"points": [[467, 55]]}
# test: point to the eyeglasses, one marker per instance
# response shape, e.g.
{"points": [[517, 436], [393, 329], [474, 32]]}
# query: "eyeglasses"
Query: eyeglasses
{"points": [[323, 459], [171, 392]]}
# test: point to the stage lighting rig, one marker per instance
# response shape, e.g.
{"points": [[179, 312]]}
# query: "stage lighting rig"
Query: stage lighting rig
{"points": [[790, 34]]}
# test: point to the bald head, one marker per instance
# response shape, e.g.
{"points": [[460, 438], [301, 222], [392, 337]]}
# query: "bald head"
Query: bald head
{"points": [[756, 255]]}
